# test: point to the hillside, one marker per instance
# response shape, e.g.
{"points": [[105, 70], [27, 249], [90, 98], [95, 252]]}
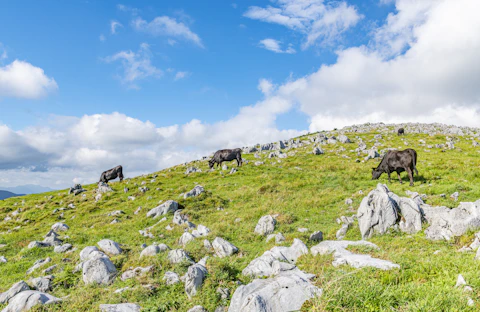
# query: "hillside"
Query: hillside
{"points": [[7, 194], [300, 189]]}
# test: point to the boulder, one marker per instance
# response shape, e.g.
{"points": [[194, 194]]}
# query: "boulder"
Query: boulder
{"points": [[265, 264], [446, 223], [285, 292], [197, 190], [185, 238], [377, 212], [103, 188], [266, 225], [201, 230], [343, 139], [153, 250], [110, 247], [166, 207], [122, 307], [88, 252], [13, 291], [342, 256], [60, 227], [43, 284], [194, 278], [28, 299], [223, 248], [63, 248], [99, 271], [135, 272], [171, 278], [178, 256]]}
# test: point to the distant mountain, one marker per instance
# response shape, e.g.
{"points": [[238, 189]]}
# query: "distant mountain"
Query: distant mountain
{"points": [[7, 194], [27, 189]]}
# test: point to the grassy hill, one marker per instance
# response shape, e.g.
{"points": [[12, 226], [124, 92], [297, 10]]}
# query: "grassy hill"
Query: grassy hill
{"points": [[304, 190]]}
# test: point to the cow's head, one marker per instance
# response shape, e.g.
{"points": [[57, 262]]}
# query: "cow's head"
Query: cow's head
{"points": [[376, 173], [211, 162]]}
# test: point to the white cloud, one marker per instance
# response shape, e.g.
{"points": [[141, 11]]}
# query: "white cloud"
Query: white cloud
{"points": [[81, 148], [436, 79], [167, 26], [171, 42], [124, 8], [319, 22], [23, 80], [136, 66], [181, 75], [113, 26], [102, 38], [266, 86], [274, 46]]}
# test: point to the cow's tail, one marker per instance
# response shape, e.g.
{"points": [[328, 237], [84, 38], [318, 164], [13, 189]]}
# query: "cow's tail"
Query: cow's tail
{"points": [[415, 162]]}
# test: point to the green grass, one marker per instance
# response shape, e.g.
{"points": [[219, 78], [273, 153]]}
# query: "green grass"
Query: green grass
{"points": [[305, 190]]}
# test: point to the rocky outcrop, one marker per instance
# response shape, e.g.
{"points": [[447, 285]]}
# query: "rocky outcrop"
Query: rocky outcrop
{"points": [[277, 259], [194, 277], [28, 299], [342, 256], [381, 210], [167, 207], [446, 223], [285, 292], [13, 291], [197, 190]]}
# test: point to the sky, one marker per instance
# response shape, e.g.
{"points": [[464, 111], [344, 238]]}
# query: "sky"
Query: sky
{"points": [[88, 85]]}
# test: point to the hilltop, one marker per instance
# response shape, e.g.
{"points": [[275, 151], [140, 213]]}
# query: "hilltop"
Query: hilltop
{"points": [[303, 191]]}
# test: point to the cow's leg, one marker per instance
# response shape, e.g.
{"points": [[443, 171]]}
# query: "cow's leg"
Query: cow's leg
{"points": [[410, 175], [388, 172], [399, 177]]}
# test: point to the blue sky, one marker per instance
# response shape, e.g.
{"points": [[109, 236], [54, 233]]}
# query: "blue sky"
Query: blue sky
{"points": [[88, 85], [63, 39]]}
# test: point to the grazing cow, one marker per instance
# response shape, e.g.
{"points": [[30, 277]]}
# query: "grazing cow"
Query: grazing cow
{"points": [[112, 174], [401, 131], [226, 155], [397, 161]]}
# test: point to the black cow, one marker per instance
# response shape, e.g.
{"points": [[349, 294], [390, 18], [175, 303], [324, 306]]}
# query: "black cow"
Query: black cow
{"points": [[112, 174], [226, 155], [397, 161], [401, 131]]}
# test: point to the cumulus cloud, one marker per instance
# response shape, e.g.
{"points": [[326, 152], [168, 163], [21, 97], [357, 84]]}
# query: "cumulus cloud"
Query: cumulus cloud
{"points": [[136, 65], [23, 80], [434, 79], [167, 26], [181, 75], [79, 149], [274, 46], [318, 21], [113, 26]]}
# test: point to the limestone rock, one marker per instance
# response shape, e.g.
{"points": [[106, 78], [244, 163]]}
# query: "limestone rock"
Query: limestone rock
{"points": [[110, 247], [266, 225], [166, 207], [223, 248], [342, 256], [28, 299], [13, 291]]}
